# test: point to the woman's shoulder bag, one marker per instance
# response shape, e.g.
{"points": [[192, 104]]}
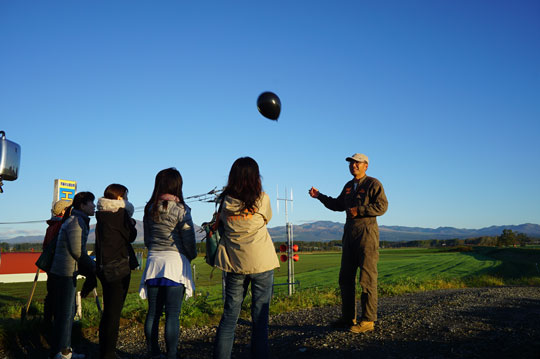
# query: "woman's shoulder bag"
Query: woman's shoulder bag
{"points": [[45, 260], [212, 236]]}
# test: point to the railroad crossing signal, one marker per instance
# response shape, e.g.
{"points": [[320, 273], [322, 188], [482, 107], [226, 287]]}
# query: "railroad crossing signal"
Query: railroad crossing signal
{"points": [[284, 257]]}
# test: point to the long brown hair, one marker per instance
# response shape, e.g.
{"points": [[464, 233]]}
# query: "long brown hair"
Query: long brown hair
{"points": [[245, 182], [168, 181]]}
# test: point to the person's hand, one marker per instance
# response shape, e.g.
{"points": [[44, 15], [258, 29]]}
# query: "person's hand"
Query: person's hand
{"points": [[314, 192], [89, 284], [352, 212]]}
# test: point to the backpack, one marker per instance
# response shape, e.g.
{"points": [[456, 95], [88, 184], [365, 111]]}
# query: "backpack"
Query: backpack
{"points": [[45, 260]]}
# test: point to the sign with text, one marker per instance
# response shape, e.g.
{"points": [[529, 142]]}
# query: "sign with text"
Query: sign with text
{"points": [[64, 189]]}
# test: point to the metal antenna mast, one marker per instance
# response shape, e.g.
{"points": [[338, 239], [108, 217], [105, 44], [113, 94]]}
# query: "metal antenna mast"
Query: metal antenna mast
{"points": [[289, 228]]}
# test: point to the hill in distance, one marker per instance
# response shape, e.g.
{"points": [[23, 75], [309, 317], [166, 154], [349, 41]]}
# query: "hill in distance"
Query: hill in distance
{"points": [[322, 231]]}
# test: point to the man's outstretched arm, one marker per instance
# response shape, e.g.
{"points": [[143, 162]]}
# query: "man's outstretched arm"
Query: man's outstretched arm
{"points": [[334, 204]]}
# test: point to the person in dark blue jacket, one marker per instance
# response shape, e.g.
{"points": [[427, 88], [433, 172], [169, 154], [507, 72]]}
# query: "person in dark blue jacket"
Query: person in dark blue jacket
{"points": [[70, 258]]}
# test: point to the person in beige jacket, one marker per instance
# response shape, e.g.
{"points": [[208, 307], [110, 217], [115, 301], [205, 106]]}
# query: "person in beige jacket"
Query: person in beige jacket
{"points": [[247, 254]]}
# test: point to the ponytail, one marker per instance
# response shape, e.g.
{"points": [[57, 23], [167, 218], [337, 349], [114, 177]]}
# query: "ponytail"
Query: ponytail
{"points": [[79, 199]]}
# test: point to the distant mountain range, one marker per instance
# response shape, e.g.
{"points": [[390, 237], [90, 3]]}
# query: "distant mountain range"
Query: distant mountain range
{"points": [[91, 236], [323, 231]]}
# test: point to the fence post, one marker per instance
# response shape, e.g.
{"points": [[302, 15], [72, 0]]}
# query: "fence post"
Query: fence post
{"points": [[78, 312], [140, 257]]}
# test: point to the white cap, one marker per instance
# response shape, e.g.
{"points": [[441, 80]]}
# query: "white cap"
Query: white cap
{"points": [[358, 157]]}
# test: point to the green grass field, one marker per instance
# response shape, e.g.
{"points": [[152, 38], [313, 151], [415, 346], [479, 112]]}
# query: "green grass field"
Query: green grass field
{"points": [[320, 270], [400, 271], [397, 265]]}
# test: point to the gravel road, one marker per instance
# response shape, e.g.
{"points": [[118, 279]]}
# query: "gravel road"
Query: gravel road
{"points": [[501, 322]]}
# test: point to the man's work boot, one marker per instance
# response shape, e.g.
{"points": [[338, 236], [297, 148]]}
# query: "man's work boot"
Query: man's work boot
{"points": [[343, 323], [363, 327]]}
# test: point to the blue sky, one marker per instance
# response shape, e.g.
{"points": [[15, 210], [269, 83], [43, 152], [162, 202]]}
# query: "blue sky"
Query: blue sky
{"points": [[443, 96]]}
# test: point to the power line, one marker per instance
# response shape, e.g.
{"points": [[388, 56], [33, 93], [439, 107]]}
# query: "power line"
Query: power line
{"points": [[24, 222], [210, 197]]}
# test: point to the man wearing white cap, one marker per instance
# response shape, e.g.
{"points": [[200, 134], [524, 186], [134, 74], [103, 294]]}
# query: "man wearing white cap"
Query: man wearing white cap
{"points": [[363, 199]]}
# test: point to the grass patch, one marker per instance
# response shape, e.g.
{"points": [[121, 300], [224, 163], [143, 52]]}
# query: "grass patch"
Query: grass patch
{"points": [[200, 310], [305, 299]]}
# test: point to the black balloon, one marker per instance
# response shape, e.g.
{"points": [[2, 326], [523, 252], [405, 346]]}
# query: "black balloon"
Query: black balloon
{"points": [[269, 105]]}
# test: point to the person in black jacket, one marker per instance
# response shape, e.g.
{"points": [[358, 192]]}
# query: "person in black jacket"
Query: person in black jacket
{"points": [[115, 231]]}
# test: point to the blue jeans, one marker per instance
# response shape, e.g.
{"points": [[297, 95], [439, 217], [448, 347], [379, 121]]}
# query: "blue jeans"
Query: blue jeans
{"points": [[64, 289], [236, 286], [170, 298]]}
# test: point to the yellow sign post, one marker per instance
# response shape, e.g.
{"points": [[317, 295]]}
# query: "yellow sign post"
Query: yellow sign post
{"points": [[64, 189]]}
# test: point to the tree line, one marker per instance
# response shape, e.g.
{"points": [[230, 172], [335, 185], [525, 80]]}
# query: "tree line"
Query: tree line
{"points": [[506, 238]]}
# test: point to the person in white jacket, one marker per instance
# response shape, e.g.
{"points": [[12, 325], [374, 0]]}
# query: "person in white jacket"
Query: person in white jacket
{"points": [[169, 236]]}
